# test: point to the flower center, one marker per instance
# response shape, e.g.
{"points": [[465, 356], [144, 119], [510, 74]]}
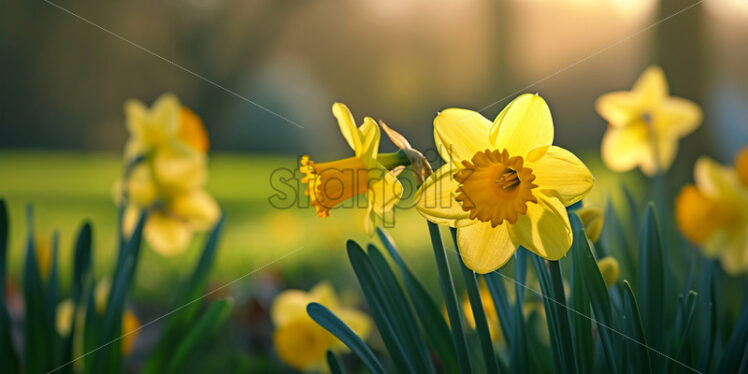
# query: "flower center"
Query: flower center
{"points": [[331, 183], [495, 187]]}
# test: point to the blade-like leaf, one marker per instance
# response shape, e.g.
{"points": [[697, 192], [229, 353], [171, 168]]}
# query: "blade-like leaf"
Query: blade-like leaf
{"points": [[330, 322], [450, 299], [38, 351], [380, 310], [584, 262], [495, 284], [8, 355], [580, 321], [651, 281], [433, 323], [206, 325], [479, 314], [332, 361], [732, 355], [636, 345], [519, 355]]}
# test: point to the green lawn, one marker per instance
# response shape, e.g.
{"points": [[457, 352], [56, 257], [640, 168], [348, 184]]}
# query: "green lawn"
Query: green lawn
{"points": [[67, 188]]}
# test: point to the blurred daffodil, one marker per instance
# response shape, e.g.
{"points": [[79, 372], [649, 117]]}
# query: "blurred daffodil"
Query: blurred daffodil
{"points": [[645, 124], [165, 174], [609, 269], [504, 184], [592, 219], [331, 183], [713, 213], [298, 340], [130, 328], [65, 313]]}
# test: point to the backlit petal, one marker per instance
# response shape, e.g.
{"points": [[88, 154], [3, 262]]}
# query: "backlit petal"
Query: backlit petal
{"points": [[358, 321], [619, 108], [624, 148], [289, 305], [460, 133], [347, 126], [545, 229], [484, 248], [197, 208], [435, 199], [561, 174], [324, 294], [652, 85], [166, 235], [369, 140], [384, 190], [677, 117], [524, 125], [714, 179]]}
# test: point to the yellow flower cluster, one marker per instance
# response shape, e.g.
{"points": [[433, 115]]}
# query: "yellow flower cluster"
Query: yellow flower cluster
{"points": [[166, 171], [301, 342], [713, 213]]}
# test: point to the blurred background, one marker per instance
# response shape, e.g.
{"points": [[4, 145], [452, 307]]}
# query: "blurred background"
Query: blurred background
{"points": [[64, 82]]}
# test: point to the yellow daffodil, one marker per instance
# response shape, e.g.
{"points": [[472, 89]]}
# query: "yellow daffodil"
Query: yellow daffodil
{"points": [[331, 183], [645, 124], [609, 269], [301, 342], [491, 316], [592, 219], [64, 317], [504, 184], [130, 328], [167, 124], [713, 213], [167, 171]]}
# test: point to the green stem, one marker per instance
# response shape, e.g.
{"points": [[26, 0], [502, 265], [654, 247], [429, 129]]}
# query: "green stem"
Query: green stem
{"points": [[479, 314], [450, 300], [393, 160], [562, 318]]}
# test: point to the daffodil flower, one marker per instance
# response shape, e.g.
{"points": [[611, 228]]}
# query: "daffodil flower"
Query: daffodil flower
{"points": [[504, 184], [331, 183], [592, 220], [166, 172], [713, 213], [298, 340], [64, 314], [609, 269], [645, 124]]}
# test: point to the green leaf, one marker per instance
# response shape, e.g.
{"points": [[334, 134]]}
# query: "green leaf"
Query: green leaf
{"points": [[685, 319], [206, 325], [636, 343], [581, 323], [402, 315], [8, 355], [82, 261], [381, 311], [52, 298], [450, 300], [332, 361], [732, 354], [520, 361], [651, 281], [479, 314], [38, 350], [584, 262], [330, 322], [707, 351], [433, 323], [495, 283]]}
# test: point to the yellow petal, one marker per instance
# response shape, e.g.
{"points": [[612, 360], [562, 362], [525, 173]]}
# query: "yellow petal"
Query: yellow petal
{"points": [[130, 327], [198, 209], [64, 317], [101, 294], [592, 219], [609, 269], [385, 190], [652, 85], [714, 179], [289, 305], [561, 174], [460, 133], [545, 229], [347, 126], [484, 248], [369, 139], [734, 259], [166, 235], [141, 188], [695, 214], [324, 294], [677, 117], [192, 132], [177, 171], [301, 343], [667, 149], [135, 118], [130, 219], [166, 113], [624, 148], [435, 199], [524, 125], [620, 108]]}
